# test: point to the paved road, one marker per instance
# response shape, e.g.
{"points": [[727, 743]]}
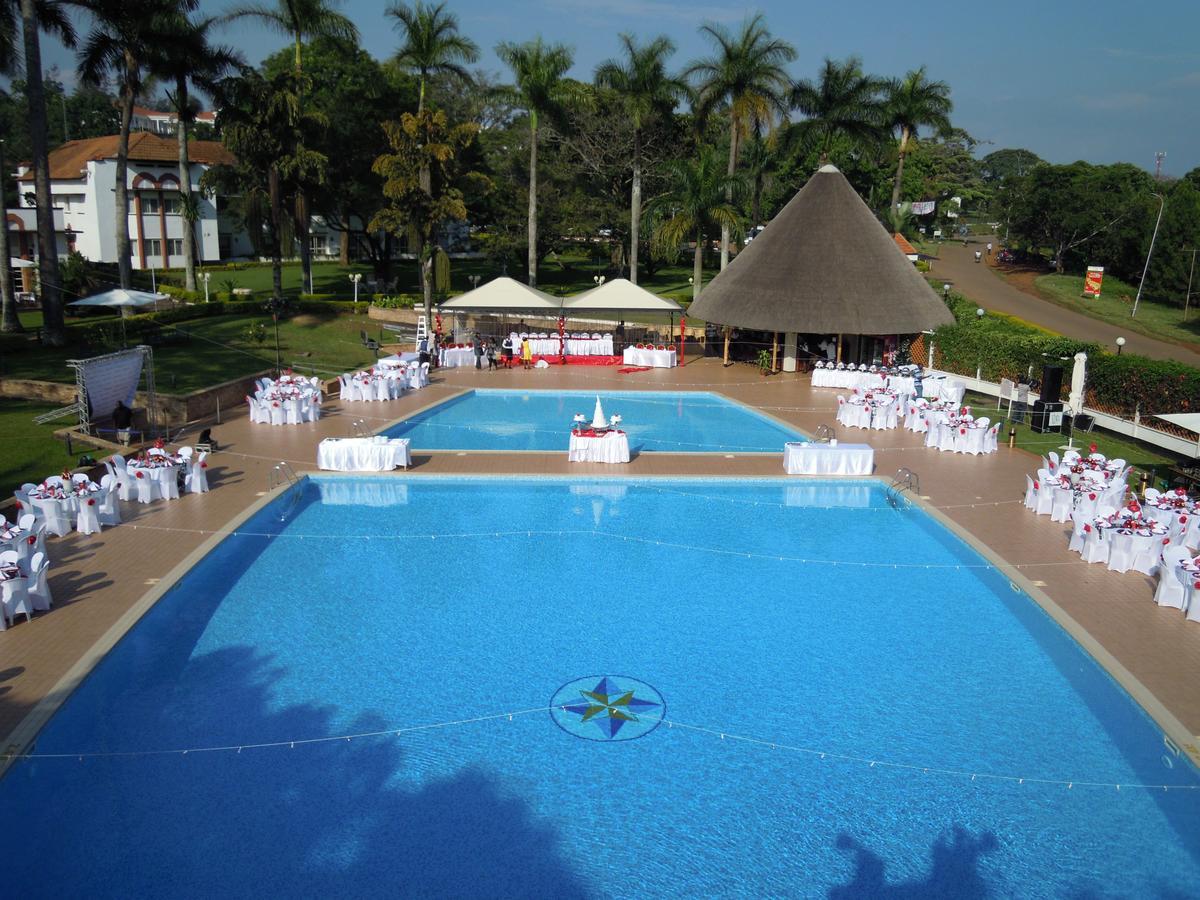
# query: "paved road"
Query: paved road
{"points": [[957, 265]]}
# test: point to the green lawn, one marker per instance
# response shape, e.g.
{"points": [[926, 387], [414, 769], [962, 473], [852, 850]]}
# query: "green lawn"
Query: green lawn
{"points": [[1115, 305], [220, 349], [31, 452], [1140, 456], [568, 273]]}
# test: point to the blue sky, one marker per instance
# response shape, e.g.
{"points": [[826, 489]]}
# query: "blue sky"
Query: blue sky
{"points": [[1102, 81]]}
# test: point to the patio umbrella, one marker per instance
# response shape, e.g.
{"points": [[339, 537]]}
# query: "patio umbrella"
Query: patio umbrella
{"points": [[122, 299]]}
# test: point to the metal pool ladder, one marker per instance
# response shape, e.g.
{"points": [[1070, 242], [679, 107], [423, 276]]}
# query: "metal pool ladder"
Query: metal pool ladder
{"points": [[823, 434], [282, 474], [905, 484], [360, 428]]}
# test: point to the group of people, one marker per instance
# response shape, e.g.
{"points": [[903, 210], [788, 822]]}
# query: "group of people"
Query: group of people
{"points": [[485, 350]]}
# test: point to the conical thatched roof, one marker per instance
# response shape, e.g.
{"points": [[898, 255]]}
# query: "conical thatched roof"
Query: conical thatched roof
{"points": [[824, 265]]}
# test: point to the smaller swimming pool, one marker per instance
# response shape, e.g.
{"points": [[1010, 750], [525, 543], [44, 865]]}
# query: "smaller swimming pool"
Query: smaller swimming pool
{"points": [[666, 422]]}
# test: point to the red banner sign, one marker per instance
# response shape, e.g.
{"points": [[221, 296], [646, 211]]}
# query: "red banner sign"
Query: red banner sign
{"points": [[1093, 281]]}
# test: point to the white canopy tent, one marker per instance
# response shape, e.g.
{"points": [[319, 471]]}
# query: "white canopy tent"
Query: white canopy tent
{"points": [[620, 295], [1188, 421], [123, 299], [504, 294], [17, 263]]}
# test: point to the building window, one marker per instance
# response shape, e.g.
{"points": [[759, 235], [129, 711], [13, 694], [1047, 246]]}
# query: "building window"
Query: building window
{"points": [[149, 204], [171, 204], [175, 246], [153, 247]]}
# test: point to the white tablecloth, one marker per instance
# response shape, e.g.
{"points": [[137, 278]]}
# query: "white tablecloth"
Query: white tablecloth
{"points": [[612, 448], [825, 459], [658, 359], [867, 381], [457, 357], [363, 454]]}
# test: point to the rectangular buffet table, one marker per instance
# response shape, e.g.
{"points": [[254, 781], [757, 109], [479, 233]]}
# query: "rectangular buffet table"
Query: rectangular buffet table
{"points": [[826, 459], [655, 359], [612, 447], [363, 454]]}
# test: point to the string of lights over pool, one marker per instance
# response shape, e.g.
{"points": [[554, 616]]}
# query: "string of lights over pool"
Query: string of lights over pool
{"points": [[535, 533], [749, 740]]}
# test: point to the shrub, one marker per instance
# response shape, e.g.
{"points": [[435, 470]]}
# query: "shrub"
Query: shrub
{"points": [[398, 301]]}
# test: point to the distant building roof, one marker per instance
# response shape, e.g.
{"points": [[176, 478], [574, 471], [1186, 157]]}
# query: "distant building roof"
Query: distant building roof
{"points": [[904, 245], [69, 161], [209, 115]]}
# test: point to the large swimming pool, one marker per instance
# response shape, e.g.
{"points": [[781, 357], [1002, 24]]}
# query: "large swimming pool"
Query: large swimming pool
{"points": [[670, 422], [655, 687]]}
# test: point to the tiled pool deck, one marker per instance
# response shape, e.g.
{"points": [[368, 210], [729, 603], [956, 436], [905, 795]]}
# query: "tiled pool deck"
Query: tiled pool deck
{"points": [[101, 581]]}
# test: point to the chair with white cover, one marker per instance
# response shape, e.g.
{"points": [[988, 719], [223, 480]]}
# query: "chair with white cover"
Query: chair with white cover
{"points": [[167, 479], [292, 411], [147, 488], [991, 441], [22, 497], [1179, 527], [1122, 550], [255, 409], [1151, 494], [975, 441], [842, 410], [14, 598], [1030, 493], [892, 415], [1095, 543], [125, 488], [54, 513], [947, 437], [424, 374], [39, 585], [1078, 535], [1053, 461], [932, 428], [1070, 457], [277, 413], [1148, 550], [1062, 504], [110, 510], [197, 476], [88, 519], [186, 452], [1191, 594], [1170, 590], [1045, 501], [1087, 507]]}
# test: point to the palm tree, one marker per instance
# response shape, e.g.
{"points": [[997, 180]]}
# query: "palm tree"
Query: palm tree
{"points": [[695, 207], [540, 90], [842, 101], [203, 64], [42, 15], [125, 35], [912, 103], [647, 91], [300, 20], [746, 77], [432, 44]]}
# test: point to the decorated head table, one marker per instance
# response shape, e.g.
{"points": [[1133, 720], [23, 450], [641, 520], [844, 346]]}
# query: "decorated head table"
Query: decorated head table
{"points": [[601, 441]]}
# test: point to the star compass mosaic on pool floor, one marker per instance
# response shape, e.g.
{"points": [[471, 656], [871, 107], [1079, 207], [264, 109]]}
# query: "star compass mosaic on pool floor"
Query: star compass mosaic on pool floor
{"points": [[607, 708]]}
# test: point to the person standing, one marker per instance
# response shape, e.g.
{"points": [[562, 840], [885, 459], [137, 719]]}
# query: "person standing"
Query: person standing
{"points": [[989, 248], [526, 353], [491, 355], [478, 346], [507, 346]]}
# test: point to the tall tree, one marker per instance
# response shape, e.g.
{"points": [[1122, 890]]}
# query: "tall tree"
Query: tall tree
{"points": [[841, 101], [647, 91], [203, 64], [422, 178], [747, 79], [125, 35], [432, 44], [695, 207], [538, 69], [300, 20], [915, 102], [37, 15]]}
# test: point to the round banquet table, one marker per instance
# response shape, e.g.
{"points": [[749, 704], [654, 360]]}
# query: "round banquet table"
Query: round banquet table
{"points": [[161, 472], [610, 447]]}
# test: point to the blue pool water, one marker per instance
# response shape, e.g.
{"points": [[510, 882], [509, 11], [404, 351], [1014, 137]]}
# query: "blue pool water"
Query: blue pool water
{"points": [[388, 604], [669, 422]]}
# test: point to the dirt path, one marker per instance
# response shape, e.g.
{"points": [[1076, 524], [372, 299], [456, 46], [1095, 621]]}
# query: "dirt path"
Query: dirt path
{"points": [[957, 265]]}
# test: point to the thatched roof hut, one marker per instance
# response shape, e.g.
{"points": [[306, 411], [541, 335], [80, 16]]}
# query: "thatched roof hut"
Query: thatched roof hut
{"points": [[824, 265]]}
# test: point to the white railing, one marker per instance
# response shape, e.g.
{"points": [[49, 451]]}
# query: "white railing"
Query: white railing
{"points": [[1133, 428]]}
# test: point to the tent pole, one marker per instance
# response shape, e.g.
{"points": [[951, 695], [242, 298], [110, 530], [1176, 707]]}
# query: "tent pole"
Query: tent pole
{"points": [[726, 360], [839, 348]]}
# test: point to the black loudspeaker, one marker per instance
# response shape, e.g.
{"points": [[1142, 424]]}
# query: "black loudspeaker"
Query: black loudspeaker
{"points": [[1051, 384], [1046, 417]]}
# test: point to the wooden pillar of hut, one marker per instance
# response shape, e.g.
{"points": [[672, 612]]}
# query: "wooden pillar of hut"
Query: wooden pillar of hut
{"points": [[725, 361], [789, 351], [774, 351], [839, 348]]}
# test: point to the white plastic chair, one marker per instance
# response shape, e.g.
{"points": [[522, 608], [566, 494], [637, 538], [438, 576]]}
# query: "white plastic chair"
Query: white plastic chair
{"points": [[197, 477], [1170, 590], [38, 583]]}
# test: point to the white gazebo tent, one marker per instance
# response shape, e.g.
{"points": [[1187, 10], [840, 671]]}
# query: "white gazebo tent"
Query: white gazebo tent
{"points": [[1188, 421], [620, 295], [505, 295]]}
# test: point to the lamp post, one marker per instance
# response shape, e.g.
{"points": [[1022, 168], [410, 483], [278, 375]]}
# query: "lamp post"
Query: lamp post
{"points": [[1120, 345], [599, 279], [1187, 299], [946, 291], [980, 312], [275, 306], [205, 277], [1149, 253], [354, 280]]}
